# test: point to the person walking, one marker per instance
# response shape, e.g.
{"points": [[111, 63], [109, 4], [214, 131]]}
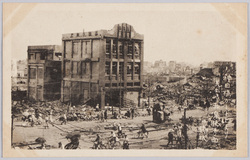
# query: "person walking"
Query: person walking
{"points": [[46, 122], [64, 119], [170, 137]]}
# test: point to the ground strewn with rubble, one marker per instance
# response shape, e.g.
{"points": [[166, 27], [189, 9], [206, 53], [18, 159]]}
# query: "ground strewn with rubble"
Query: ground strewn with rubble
{"points": [[158, 132]]}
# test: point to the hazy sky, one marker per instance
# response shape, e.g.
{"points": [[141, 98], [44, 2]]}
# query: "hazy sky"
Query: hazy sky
{"points": [[191, 33]]}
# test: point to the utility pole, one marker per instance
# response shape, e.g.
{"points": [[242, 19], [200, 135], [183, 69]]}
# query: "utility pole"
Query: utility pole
{"points": [[149, 91], [185, 129], [120, 92]]}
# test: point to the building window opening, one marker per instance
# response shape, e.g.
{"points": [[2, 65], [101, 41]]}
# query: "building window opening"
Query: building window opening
{"points": [[107, 68], [83, 68], [108, 44], [115, 49], [107, 84], [130, 68], [121, 69], [31, 56], [121, 84], [32, 73], [130, 84], [129, 71], [42, 56], [121, 55], [114, 84], [59, 55], [114, 70], [137, 83], [137, 51], [137, 68], [130, 50], [75, 69]]}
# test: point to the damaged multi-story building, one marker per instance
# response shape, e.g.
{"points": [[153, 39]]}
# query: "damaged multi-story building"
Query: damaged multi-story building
{"points": [[44, 72], [104, 66]]}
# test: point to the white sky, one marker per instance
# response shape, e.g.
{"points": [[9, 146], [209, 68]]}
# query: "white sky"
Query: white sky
{"points": [[191, 33]]}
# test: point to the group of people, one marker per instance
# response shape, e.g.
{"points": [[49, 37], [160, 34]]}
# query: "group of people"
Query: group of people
{"points": [[176, 134], [37, 118], [207, 129], [113, 140], [103, 115], [130, 113]]}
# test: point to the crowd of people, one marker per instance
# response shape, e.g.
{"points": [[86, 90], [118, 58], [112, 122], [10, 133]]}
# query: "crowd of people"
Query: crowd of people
{"points": [[208, 130]]}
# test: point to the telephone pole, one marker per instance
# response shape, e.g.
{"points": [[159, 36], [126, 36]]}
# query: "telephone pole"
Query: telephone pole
{"points": [[185, 129], [149, 90]]}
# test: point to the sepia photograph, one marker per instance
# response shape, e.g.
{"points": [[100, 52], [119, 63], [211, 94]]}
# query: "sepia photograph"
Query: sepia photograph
{"points": [[134, 79]]}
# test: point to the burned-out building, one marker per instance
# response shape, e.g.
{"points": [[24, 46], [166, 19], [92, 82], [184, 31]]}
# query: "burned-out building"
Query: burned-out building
{"points": [[104, 66], [44, 72]]}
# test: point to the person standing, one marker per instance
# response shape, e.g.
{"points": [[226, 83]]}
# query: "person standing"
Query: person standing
{"points": [[126, 143], [234, 122], [97, 107], [51, 116], [102, 116], [197, 136], [207, 104], [179, 135], [46, 122], [132, 112], [106, 115], [64, 119]]}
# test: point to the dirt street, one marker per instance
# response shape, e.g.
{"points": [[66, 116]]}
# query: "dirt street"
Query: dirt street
{"points": [[158, 133]]}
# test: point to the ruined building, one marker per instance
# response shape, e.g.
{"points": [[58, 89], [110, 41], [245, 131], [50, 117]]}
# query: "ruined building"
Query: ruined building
{"points": [[104, 66], [44, 72]]}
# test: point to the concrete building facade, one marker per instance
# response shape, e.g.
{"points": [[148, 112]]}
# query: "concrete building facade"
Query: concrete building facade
{"points": [[104, 66], [44, 72]]}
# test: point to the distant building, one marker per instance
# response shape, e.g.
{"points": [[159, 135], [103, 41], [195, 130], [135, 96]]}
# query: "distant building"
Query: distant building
{"points": [[19, 75], [147, 67], [105, 66], [44, 72], [160, 67], [171, 66], [160, 63]]}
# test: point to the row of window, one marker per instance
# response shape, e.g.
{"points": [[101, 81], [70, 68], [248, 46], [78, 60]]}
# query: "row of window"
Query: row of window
{"points": [[76, 69], [118, 51], [38, 56], [130, 68], [129, 84], [80, 49], [42, 56]]}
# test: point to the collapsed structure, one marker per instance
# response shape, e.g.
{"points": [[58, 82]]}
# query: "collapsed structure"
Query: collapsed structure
{"points": [[104, 66]]}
